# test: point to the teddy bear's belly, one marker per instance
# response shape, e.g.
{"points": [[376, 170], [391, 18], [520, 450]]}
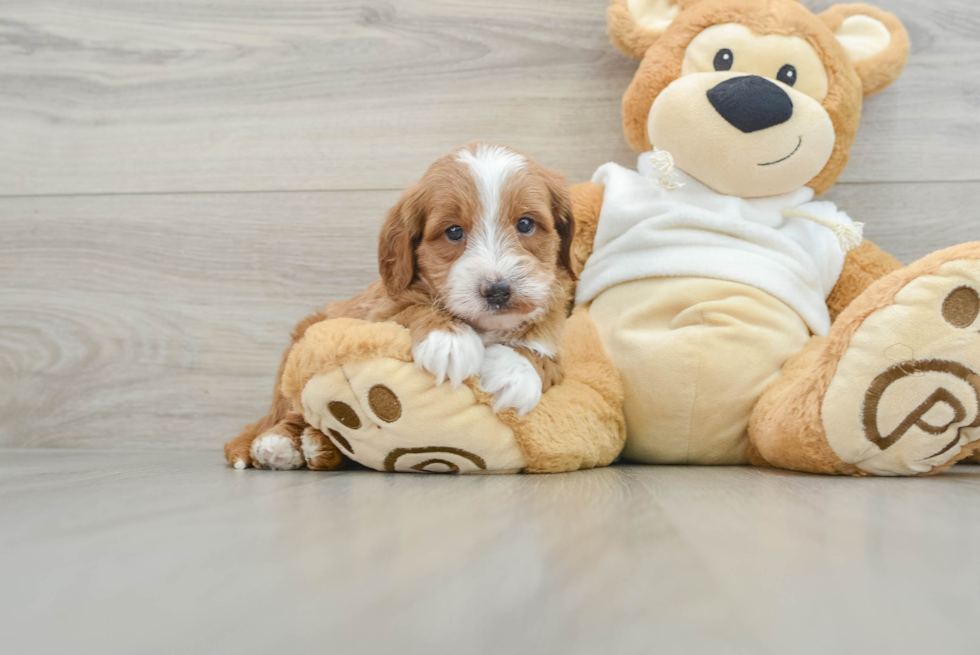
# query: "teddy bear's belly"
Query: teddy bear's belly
{"points": [[696, 355]]}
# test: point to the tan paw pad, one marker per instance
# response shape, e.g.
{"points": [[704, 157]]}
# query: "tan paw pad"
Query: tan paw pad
{"points": [[907, 415], [388, 415]]}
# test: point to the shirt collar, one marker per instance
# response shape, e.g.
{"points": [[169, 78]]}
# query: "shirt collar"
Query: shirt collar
{"points": [[766, 210]]}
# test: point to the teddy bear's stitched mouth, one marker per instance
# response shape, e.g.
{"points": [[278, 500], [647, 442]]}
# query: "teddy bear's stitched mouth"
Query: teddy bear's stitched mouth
{"points": [[779, 161]]}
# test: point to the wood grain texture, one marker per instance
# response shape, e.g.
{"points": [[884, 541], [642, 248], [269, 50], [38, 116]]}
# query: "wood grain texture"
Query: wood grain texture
{"points": [[106, 96], [158, 320], [131, 318], [164, 553], [913, 220]]}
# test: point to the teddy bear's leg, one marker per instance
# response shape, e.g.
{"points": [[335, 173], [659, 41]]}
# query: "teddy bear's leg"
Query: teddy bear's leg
{"points": [[894, 389], [360, 392], [357, 386], [695, 355], [579, 423]]}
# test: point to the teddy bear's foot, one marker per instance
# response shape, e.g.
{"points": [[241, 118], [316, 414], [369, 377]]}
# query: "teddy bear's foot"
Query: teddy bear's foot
{"points": [[359, 408], [894, 390], [363, 396]]}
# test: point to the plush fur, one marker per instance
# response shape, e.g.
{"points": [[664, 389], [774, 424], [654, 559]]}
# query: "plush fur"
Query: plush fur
{"points": [[429, 284], [787, 427], [578, 424], [880, 71], [864, 266], [863, 50], [663, 54], [586, 203]]}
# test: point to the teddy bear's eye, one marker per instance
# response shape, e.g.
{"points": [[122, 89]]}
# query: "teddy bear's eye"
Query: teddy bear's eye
{"points": [[724, 60], [787, 75]]}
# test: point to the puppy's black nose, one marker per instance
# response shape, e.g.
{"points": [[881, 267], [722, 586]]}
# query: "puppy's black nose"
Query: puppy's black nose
{"points": [[751, 103], [497, 294]]}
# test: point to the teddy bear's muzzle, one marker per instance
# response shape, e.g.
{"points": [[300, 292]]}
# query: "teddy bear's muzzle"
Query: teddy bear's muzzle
{"points": [[751, 103]]}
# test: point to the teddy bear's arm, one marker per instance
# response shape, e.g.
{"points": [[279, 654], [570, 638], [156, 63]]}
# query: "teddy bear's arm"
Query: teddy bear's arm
{"points": [[863, 267], [586, 207]]}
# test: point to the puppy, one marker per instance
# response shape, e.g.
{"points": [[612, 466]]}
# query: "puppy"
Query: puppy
{"points": [[475, 260]]}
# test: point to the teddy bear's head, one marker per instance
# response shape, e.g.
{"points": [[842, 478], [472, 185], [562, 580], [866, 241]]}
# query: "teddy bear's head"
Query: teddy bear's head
{"points": [[753, 98]]}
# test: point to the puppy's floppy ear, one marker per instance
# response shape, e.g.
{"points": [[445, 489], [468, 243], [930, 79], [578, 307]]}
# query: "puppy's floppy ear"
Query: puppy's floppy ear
{"points": [[876, 43], [561, 210], [634, 25], [400, 237]]}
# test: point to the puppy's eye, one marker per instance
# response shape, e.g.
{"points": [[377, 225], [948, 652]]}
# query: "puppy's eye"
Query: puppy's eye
{"points": [[455, 233], [724, 60], [525, 226], [787, 75]]}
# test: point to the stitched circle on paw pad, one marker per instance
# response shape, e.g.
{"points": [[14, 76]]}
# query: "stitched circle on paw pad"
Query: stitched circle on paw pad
{"points": [[918, 418], [436, 466], [341, 440], [384, 403], [345, 414], [441, 464], [961, 307]]}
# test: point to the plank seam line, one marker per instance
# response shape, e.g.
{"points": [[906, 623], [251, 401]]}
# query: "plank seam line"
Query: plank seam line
{"points": [[123, 194]]}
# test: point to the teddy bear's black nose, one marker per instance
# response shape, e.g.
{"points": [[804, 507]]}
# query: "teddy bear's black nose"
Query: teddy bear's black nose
{"points": [[751, 103]]}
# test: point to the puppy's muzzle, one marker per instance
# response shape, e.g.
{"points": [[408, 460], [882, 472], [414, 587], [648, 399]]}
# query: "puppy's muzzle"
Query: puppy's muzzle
{"points": [[497, 295]]}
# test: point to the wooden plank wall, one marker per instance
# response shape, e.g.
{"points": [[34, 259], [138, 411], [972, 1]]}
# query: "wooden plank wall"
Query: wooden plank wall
{"points": [[181, 181]]}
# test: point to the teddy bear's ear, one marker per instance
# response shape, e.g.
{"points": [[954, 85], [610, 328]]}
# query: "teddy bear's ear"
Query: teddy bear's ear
{"points": [[875, 41], [634, 25]]}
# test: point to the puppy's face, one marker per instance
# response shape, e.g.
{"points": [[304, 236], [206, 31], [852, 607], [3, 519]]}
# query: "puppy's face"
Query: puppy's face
{"points": [[487, 231]]}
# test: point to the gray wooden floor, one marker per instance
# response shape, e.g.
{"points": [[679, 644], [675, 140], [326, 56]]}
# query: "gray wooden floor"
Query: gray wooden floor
{"points": [[180, 181], [109, 552]]}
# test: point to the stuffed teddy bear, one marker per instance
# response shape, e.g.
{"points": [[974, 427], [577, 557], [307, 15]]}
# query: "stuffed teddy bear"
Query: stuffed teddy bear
{"points": [[749, 321], [724, 316], [364, 399]]}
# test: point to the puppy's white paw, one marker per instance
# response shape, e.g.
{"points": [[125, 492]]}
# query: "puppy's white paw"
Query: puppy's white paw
{"points": [[310, 444], [276, 452], [511, 378], [456, 354]]}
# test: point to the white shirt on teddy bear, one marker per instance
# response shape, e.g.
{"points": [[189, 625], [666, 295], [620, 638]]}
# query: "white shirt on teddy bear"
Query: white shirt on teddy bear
{"points": [[648, 231]]}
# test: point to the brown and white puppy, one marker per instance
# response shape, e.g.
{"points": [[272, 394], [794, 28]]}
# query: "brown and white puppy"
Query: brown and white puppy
{"points": [[480, 248], [474, 260]]}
